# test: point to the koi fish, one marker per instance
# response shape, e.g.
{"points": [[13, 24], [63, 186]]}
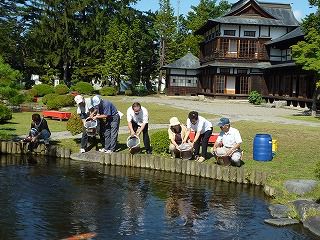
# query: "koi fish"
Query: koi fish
{"points": [[81, 236]]}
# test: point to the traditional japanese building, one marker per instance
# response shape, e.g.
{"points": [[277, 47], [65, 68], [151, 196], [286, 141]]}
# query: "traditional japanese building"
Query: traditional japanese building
{"points": [[248, 49], [182, 76]]}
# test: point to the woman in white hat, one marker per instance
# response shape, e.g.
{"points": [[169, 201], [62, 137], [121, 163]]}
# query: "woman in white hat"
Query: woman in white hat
{"points": [[84, 109], [177, 133]]}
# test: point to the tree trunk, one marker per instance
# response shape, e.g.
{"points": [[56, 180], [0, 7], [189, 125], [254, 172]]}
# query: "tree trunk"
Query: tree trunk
{"points": [[314, 102], [162, 60]]}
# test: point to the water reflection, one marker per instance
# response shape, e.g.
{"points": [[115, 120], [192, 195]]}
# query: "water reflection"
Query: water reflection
{"points": [[54, 199]]}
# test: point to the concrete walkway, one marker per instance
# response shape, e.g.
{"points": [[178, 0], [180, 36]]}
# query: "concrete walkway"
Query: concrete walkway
{"points": [[236, 110]]}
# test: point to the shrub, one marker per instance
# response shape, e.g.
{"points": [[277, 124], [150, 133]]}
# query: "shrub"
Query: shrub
{"points": [[160, 142], [108, 91], [60, 101], [83, 88], [317, 170], [5, 113], [128, 92], [255, 98], [7, 92], [29, 96], [17, 99], [42, 89], [49, 96], [61, 89], [74, 124]]}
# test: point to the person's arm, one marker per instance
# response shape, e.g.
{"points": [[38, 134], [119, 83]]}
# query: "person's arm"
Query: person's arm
{"points": [[132, 132], [217, 143], [140, 129], [172, 138]]}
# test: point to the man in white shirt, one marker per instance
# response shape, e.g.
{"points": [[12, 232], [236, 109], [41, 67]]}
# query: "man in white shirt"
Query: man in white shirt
{"points": [[137, 117], [203, 131], [228, 142]]}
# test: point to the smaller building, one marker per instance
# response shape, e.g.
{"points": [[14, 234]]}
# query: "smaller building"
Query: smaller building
{"points": [[182, 76]]}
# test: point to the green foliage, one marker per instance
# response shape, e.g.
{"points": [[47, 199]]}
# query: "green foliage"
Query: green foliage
{"points": [[30, 95], [17, 99], [108, 91], [8, 75], [160, 142], [5, 113], [255, 98], [60, 101], [128, 92], [42, 89], [83, 88], [61, 89], [46, 98], [7, 92], [317, 170], [75, 124]]}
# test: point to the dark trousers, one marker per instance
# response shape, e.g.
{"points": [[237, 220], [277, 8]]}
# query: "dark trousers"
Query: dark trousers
{"points": [[146, 139], [204, 139], [111, 130]]}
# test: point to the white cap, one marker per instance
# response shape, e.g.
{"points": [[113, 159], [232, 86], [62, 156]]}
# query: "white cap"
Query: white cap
{"points": [[78, 99], [96, 100]]}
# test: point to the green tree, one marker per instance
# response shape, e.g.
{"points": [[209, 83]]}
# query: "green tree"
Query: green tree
{"points": [[8, 76], [307, 53], [198, 16], [165, 27]]}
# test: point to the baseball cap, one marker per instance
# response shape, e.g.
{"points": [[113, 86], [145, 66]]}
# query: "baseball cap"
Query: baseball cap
{"points": [[78, 99], [223, 121], [96, 100]]}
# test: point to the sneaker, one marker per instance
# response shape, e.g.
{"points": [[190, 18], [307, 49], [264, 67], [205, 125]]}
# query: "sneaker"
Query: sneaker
{"points": [[108, 151], [102, 150], [82, 150], [46, 142], [200, 159]]}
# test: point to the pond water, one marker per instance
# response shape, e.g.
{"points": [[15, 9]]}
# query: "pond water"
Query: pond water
{"points": [[56, 199]]}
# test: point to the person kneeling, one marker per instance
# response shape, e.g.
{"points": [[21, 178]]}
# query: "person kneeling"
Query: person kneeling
{"points": [[39, 131], [228, 143], [177, 133]]}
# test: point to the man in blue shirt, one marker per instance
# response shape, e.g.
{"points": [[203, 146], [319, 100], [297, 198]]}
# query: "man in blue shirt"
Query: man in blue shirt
{"points": [[106, 110]]}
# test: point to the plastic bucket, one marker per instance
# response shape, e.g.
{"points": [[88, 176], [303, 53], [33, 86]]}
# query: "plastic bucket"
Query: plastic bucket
{"points": [[133, 142], [186, 151], [262, 147]]}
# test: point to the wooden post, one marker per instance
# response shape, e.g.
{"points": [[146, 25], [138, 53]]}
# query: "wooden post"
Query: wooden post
{"points": [[219, 172], [184, 166], [233, 174], [208, 171], [9, 147], [240, 174], [167, 164], [107, 159], [152, 162], [123, 159], [178, 163], [203, 169], [143, 161]]}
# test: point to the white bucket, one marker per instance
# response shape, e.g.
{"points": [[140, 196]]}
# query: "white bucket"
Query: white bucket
{"points": [[133, 142], [186, 151]]}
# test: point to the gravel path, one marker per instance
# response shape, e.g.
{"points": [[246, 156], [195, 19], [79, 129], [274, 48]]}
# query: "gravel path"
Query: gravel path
{"points": [[236, 110]]}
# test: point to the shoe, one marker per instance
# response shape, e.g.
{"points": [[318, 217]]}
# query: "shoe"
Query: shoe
{"points": [[46, 142], [148, 152], [200, 159], [102, 150], [109, 151], [82, 150]]}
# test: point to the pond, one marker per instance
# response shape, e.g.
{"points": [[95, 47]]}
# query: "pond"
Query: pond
{"points": [[56, 199]]}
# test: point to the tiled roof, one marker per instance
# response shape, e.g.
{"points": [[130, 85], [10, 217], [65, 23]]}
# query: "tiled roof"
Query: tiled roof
{"points": [[297, 32], [259, 65], [189, 61]]}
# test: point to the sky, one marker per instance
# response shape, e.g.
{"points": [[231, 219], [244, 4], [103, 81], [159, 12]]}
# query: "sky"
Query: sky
{"points": [[300, 7]]}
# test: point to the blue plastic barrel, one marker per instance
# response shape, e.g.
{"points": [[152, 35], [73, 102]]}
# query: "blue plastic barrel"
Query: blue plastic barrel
{"points": [[262, 147]]}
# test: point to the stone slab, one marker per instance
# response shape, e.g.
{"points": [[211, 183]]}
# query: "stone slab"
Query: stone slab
{"points": [[280, 222], [279, 211], [300, 186]]}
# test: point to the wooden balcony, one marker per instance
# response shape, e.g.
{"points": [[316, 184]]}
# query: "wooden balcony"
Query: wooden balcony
{"points": [[234, 48]]}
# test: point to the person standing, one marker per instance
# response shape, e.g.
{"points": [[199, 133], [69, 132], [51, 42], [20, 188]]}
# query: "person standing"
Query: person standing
{"points": [[138, 118], [228, 142], [203, 131], [84, 109], [106, 110]]}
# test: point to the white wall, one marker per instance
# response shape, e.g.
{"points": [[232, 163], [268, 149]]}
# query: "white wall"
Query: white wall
{"points": [[264, 32], [178, 71], [249, 28], [230, 27], [277, 32], [231, 85]]}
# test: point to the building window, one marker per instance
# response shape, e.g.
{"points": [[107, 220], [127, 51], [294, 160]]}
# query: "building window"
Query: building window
{"points": [[249, 33], [229, 32], [242, 71], [225, 70], [220, 84], [183, 81], [244, 85]]}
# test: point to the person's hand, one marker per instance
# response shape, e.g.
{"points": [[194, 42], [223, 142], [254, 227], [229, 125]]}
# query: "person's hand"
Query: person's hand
{"points": [[132, 133], [178, 147], [33, 139], [229, 152], [138, 133]]}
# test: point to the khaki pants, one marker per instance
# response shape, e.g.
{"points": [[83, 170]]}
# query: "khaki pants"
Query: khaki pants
{"points": [[235, 157]]}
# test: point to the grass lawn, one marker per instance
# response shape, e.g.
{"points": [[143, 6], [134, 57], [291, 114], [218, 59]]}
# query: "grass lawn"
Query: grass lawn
{"points": [[304, 118]]}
